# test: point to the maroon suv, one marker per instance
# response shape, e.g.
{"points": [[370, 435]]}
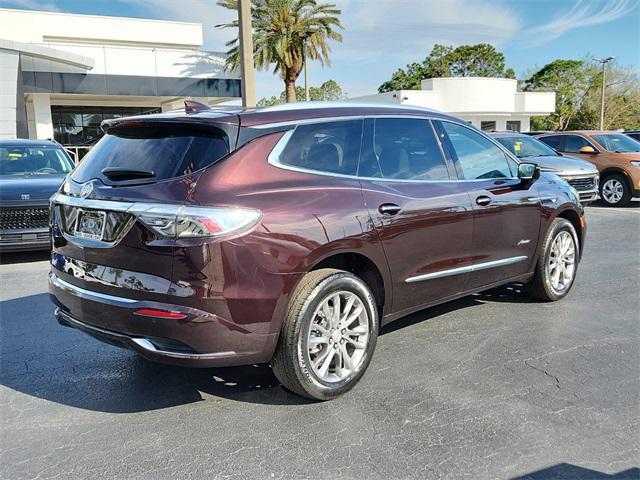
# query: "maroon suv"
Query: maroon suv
{"points": [[291, 235]]}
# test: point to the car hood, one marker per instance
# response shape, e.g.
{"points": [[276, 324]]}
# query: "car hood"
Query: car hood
{"points": [[15, 188], [563, 165]]}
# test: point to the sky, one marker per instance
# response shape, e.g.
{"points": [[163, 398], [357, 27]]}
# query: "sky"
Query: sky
{"points": [[381, 36]]}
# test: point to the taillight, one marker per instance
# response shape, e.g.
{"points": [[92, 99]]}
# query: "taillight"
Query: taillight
{"points": [[195, 222]]}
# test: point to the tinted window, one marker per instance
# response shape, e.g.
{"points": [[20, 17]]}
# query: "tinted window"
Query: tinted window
{"points": [[554, 141], [168, 150], [488, 126], [513, 125], [332, 147], [573, 143], [477, 156], [45, 160], [403, 149]]}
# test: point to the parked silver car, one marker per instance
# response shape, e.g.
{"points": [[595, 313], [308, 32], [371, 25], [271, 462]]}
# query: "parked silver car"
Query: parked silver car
{"points": [[581, 175]]}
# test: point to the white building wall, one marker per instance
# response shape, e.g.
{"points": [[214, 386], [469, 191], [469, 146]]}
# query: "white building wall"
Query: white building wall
{"points": [[42, 115], [53, 27], [474, 99], [473, 94], [9, 62]]}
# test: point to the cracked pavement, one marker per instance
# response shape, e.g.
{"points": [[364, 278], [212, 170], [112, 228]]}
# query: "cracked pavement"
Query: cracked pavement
{"points": [[493, 385]]}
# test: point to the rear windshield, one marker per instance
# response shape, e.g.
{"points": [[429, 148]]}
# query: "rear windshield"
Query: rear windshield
{"points": [[168, 151], [43, 160]]}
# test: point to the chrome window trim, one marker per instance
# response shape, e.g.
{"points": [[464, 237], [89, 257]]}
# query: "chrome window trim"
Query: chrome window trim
{"points": [[274, 156], [467, 269]]}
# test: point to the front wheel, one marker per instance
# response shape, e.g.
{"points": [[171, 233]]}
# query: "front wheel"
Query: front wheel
{"points": [[558, 263], [328, 336], [615, 191]]}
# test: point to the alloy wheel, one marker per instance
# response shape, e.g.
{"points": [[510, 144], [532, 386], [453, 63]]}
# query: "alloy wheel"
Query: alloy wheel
{"points": [[561, 266], [613, 190], [338, 336]]}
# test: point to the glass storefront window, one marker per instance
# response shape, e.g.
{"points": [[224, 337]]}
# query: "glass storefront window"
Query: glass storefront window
{"points": [[80, 125]]}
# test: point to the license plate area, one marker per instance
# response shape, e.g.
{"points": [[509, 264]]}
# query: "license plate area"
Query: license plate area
{"points": [[90, 224]]}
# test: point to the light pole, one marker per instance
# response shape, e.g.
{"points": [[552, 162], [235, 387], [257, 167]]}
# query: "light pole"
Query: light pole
{"points": [[246, 54], [604, 62]]}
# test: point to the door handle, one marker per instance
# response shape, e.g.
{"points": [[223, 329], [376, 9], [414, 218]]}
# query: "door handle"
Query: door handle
{"points": [[389, 209], [483, 200]]}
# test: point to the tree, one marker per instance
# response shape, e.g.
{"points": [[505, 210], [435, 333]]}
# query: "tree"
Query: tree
{"points": [[481, 60], [329, 90], [577, 84], [286, 33], [570, 81]]}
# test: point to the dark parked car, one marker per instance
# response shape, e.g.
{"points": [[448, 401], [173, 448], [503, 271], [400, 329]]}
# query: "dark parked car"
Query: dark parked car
{"points": [[30, 172], [580, 174], [290, 235], [635, 134]]}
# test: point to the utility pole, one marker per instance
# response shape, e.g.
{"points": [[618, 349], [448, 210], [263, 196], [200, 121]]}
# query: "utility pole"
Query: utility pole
{"points": [[246, 54], [604, 62]]}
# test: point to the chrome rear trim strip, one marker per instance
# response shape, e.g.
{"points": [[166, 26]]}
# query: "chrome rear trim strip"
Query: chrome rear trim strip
{"points": [[139, 342], [145, 344], [467, 269], [88, 294]]}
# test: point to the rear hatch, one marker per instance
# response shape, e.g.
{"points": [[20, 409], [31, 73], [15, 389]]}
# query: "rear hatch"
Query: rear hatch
{"points": [[107, 219]]}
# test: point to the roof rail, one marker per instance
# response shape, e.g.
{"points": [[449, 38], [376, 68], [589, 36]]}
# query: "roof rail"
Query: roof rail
{"points": [[191, 106]]}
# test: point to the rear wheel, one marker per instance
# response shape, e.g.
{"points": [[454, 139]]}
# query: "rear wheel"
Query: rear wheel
{"points": [[556, 268], [328, 336], [615, 191]]}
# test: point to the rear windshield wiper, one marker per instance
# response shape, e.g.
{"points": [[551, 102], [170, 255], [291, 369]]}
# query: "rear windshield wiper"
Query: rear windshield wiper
{"points": [[118, 173]]}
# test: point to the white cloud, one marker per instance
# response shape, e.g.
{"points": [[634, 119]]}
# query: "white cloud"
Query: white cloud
{"points": [[581, 14]]}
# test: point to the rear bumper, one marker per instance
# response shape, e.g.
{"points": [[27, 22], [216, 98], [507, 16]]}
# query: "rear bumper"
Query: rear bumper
{"points": [[200, 340]]}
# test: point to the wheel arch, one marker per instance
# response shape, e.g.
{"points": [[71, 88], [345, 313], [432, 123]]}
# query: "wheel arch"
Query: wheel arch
{"points": [[607, 172], [361, 266], [576, 220]]}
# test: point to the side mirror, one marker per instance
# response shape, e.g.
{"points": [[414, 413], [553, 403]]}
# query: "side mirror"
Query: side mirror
{"points": [[587, 149], [528, 173]]}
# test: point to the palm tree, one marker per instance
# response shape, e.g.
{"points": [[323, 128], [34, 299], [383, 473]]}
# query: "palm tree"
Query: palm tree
{"points": [[286, 33]]}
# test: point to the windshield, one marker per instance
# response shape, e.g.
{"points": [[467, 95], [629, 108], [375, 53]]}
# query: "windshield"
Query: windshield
{"points": [[618, 143], [523, 147], [28, 160]]}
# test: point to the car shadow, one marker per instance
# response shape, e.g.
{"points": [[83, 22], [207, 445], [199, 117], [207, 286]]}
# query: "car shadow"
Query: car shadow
{"points": [[40, 358], [9, 258], [568, 471]]}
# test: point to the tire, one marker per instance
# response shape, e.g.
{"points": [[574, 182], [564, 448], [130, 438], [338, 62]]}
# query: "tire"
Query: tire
{"points": [[543, 285], [615, 191], [308, 336]]}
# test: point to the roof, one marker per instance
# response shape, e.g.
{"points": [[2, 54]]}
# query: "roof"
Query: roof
{"points": [[249, 117], [508, 134], [585, 132], [23, 142]]}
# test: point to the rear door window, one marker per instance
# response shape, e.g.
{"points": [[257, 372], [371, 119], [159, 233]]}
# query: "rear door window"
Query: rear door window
{"points": [[402, 149], [332, 147], [554, 141], [166, 150]]}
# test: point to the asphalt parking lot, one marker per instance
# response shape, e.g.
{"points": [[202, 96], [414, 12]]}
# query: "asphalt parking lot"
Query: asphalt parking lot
{"points": [[490, 386]]}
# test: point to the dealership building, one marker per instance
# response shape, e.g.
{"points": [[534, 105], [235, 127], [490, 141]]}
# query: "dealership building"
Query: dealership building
{"points": [[487, 103], [62, 74]]}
